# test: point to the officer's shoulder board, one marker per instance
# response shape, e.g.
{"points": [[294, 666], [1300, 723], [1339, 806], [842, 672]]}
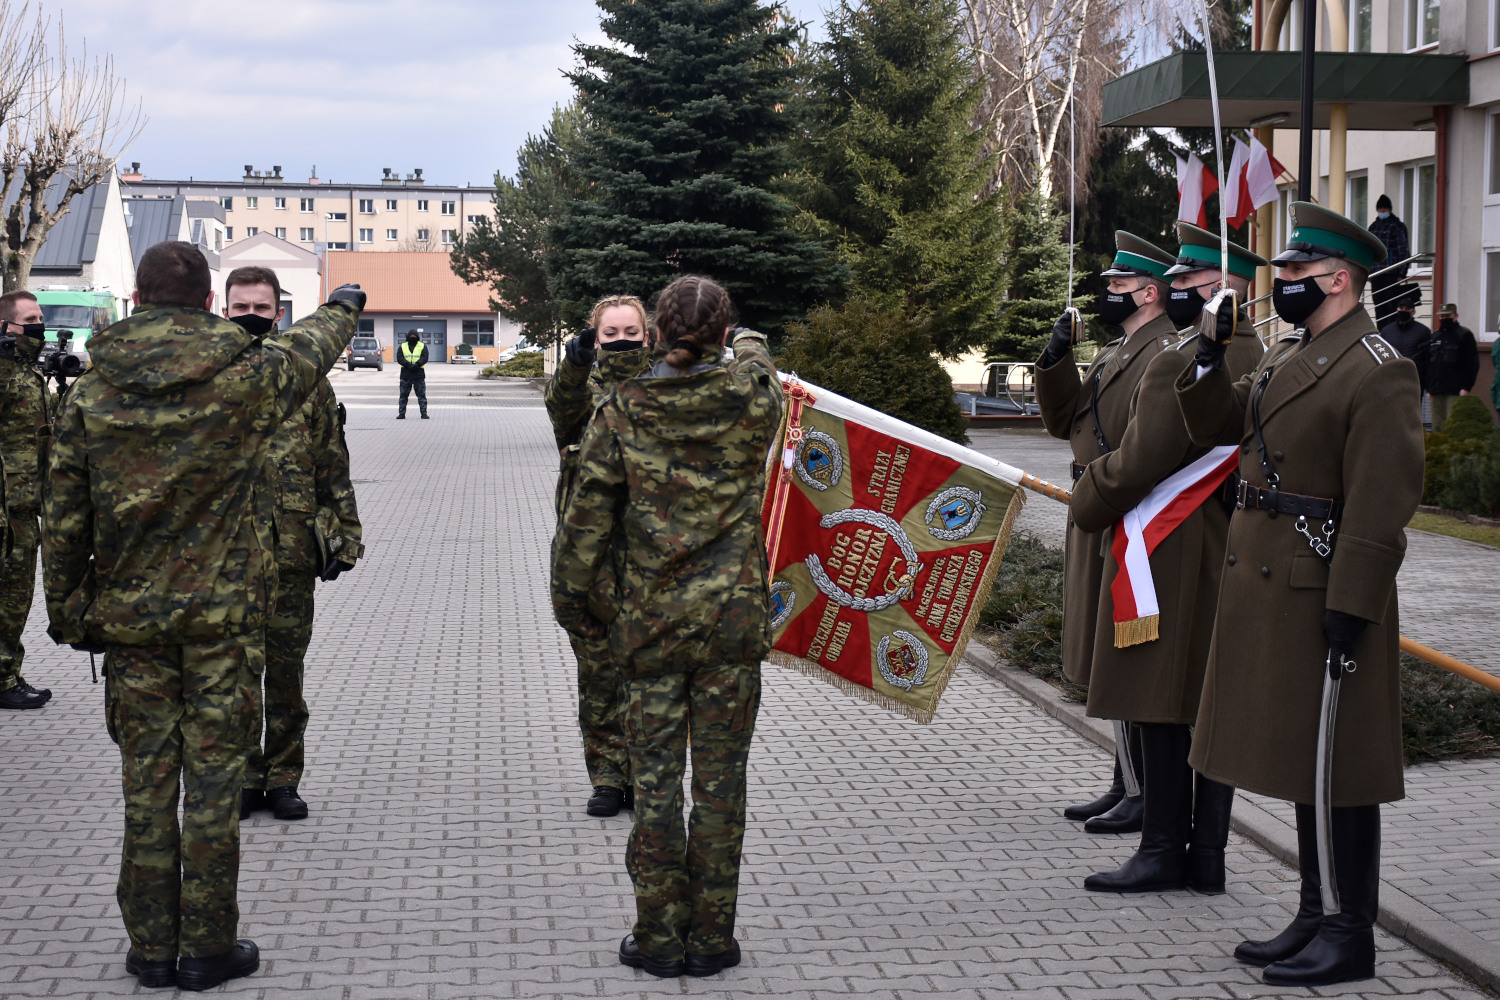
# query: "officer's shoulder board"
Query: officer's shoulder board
{"points": [[1191, 338], [1380, 349]]}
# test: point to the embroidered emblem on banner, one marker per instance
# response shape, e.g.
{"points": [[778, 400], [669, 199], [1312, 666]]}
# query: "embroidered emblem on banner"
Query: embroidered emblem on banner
{"points": [[902, 659], [898, 587], [959, 509], [820, 463], [783, 603]]}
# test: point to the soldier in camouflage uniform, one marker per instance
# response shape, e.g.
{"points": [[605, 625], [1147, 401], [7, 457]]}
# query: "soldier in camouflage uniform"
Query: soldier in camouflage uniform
{"points": [[160, 550], [25, 428], [674, 463], [583, 378], [315, 511]]}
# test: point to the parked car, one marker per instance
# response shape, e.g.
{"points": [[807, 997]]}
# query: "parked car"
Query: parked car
{"points": [[523, 346], [364, 352]]}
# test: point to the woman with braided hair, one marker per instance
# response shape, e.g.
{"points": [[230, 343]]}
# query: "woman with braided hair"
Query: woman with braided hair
{"points": [[670, 476], [612, 348]]}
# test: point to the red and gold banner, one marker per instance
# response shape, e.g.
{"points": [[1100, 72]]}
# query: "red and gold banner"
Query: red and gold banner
{"points": [[884, 540]]}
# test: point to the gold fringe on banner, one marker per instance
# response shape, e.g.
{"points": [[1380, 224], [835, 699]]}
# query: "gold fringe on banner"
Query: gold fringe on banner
{"points": [[1137, 631], [981, 594]]}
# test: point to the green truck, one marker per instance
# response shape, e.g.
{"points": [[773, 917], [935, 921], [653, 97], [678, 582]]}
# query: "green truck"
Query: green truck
{"points": [[82, 313]]}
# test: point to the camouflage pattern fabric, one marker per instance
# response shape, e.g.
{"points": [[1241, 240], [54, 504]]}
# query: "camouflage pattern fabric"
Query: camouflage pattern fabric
{"points": [[571, 397], [157, 524], [687, 885], [285, 714], [25, 428], [17, 587], [413, 378], [182, 717], [676, 465]]}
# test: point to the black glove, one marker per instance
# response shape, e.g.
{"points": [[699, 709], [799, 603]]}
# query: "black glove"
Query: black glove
{"points": [[350, 294], [1343, 632], [88, 647], [1064, 333], [580, 349], [1216, 327], [334, 569]]}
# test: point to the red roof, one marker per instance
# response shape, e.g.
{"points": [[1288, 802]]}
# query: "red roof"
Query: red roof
{"points": [[406, 281]]}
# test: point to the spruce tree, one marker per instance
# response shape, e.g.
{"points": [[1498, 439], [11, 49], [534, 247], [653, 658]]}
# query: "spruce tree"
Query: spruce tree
{"points": [[685, 149], [892, 168], [507, 252], [1039, 285]]}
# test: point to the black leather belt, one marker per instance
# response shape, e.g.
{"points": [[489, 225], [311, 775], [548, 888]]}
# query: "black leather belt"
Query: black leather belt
{"points": [[1298, 504], [1078, 470]]}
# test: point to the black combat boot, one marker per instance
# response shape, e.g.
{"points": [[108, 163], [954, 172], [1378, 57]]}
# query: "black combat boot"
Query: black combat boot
{"points": [[1343, 950], [1101, 805], [1309, 903], [197, 974], [712, 965], [151, 975], [1125, 815], [23, 696], [630, 954], [285, 803], [251, 799], [1160, 863], [607, 801], [1212, 803]]}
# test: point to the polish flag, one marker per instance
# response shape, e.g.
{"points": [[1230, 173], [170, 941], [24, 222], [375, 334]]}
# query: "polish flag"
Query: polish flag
{"points": [[1238, 203], [1195, 183], [1260, 175]]}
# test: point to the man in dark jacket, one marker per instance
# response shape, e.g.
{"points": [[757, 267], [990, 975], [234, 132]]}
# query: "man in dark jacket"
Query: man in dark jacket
{"points": [[1391, 231], [1407, 335], [412, 357], [1452, 364]]}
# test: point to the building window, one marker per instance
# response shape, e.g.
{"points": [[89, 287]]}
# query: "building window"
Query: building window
{"points": [[305, 234], [229, 234], [337, 217], [447, 235], [449, 206], [390, 204], [1489, 320], [341, 245], [281, 232], [1361, 14], [479, 332], [252, 203], [367, 206], [421, 204], [1493, 187], [474, 219], [1495, 24], [306, 204], [279, 202], [252, 231], [1418, 199], [390, 234], [367, 326], [367, 236], [1357, 198], [423, 235], [227, 203], [1421, 23]]}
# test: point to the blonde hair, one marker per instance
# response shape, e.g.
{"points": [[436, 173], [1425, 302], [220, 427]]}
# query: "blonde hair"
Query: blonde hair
{"points": [[610, 301], [694, 309]]}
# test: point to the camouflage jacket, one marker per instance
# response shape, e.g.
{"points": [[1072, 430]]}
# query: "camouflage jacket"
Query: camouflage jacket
{"points": [[677, 466], [573, 395], [157, 525], [309, 463], [26, 408]]}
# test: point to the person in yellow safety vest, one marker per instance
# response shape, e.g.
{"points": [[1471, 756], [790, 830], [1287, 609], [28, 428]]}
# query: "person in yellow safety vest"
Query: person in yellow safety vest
{"points": [[412, 357]]}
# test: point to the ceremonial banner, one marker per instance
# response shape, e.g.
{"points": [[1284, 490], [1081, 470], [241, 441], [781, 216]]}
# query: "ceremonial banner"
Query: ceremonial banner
{"points": [[883, 540]]}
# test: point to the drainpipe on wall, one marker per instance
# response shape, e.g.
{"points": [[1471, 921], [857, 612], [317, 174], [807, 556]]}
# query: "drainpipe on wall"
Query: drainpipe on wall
{"points": [[1440, 217]]}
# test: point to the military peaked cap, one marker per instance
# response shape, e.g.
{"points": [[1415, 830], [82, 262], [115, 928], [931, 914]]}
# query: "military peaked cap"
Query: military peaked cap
{"points": [[1318, 233], [1200, 252], [1134, 257]]}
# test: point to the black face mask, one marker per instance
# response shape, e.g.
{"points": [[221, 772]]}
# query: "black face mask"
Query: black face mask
{"points": [[1403, 320], [1296, 300], [256, 326], [1116, 309], [622, 345], [1448, 323], [413, 340], [1185, 305]]}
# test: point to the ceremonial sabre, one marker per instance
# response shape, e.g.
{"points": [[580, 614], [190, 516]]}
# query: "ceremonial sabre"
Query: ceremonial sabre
{"points": [[1323, 779], [1127, 766]]}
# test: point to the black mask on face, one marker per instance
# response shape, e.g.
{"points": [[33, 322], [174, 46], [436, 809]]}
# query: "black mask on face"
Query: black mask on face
{"points": [[1448, 323], [622, 345], [1403, 320], [1184, 305], [412, 339], [256, 326], [1116, 309], [1296, 300]]}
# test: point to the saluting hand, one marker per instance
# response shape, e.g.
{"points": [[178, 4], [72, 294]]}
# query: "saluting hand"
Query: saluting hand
{"points": [[580, 348]]}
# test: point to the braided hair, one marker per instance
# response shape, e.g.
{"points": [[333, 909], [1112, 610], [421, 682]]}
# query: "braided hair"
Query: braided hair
{"points": [[691, 314]]}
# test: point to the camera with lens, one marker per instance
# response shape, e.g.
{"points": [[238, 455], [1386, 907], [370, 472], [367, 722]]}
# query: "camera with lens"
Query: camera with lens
{"points": [[56, 361]]}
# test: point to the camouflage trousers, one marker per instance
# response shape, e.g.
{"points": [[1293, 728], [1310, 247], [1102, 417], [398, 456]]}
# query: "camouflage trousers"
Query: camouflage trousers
{"points": [[600, 716], [17, 588], [182, 716], [686, 884], [281, 760]]}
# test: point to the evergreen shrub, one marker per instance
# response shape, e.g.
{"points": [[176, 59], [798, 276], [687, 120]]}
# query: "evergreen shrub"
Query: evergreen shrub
{"points": [[528, 365], [1463, 461]]}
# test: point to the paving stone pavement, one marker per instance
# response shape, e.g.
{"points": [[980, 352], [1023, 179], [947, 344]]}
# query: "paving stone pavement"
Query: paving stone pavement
{"points": [[447, 854]]}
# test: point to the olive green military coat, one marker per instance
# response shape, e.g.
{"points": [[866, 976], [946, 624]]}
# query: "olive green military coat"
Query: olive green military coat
{"points": [[1158, 681], [1066, 403], [1341, 421]]}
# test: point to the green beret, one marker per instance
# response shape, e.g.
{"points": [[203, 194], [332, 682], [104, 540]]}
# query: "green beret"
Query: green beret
{"points": [[1135, 257], [1200, 252]]}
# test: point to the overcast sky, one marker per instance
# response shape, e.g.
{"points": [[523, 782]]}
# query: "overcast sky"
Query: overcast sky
{"points": [[452, 86]]}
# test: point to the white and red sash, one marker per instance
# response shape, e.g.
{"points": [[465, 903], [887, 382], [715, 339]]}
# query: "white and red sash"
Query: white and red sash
{"points": [[1137, 617]]}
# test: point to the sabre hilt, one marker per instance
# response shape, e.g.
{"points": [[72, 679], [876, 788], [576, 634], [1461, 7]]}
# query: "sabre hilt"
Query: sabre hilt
{"points": [[1221, 316]]}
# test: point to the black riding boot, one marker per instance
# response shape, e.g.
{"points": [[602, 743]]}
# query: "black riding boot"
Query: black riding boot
{"points": [[1101, 805], [1212, 802], [1159, 864], [1343, 950], [1124, 816], [1309, 903]]}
